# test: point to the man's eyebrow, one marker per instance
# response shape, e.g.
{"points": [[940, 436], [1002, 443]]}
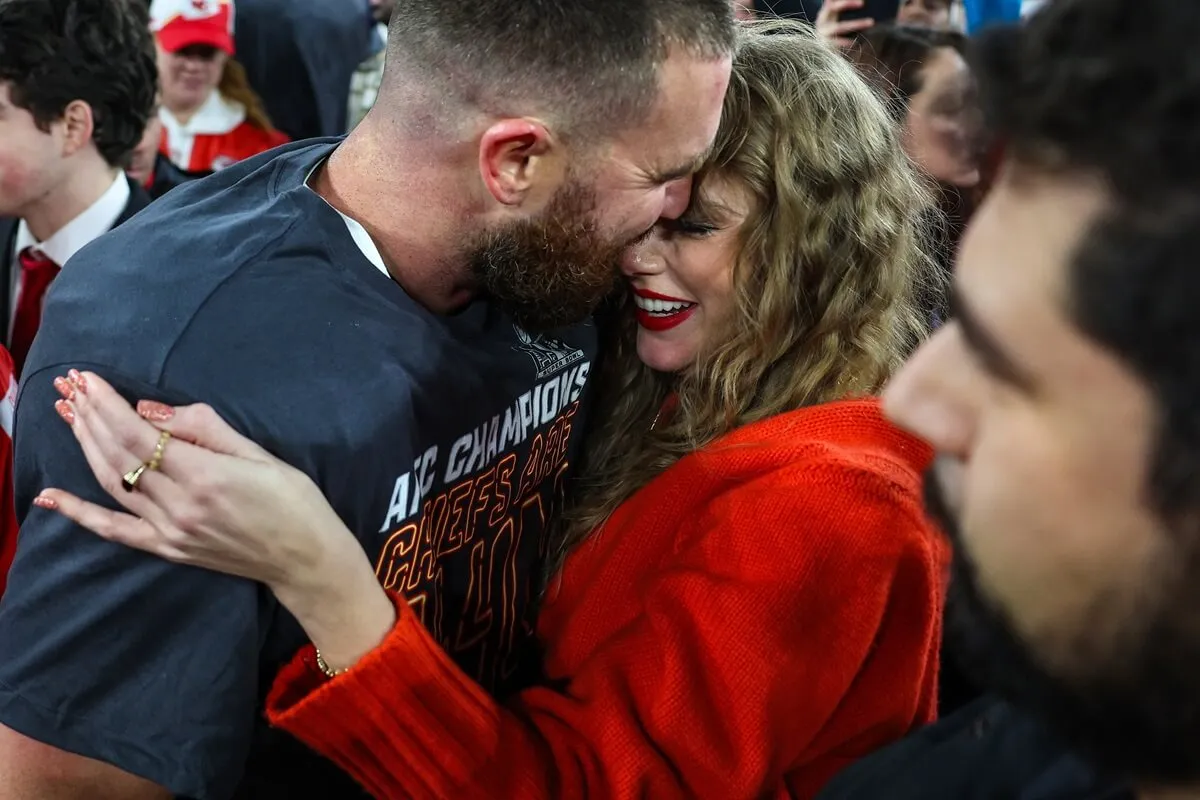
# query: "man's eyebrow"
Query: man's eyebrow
{"points": [[683, 170], [992, 355]]}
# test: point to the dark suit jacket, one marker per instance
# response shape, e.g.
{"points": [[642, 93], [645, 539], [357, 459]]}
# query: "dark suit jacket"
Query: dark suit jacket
{"points": [[138, 199], [300, 56]]}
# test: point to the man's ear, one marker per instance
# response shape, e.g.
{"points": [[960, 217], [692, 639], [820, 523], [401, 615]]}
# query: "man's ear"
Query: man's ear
{"points": [[516, 158], [78, 126]]}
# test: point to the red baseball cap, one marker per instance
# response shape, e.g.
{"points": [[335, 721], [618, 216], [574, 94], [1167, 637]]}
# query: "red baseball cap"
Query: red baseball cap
{"points": [[183, 23]]}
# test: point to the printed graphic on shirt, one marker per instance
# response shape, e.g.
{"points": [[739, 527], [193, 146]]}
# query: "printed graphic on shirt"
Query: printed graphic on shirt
{"points": [[469, 507], [549, 355]]}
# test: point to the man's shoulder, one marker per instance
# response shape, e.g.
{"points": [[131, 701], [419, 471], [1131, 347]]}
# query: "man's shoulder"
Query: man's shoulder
{"points": [[157, 273], [245, 199]]}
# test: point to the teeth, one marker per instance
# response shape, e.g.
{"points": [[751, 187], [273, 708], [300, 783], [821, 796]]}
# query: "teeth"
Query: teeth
{"points": [[660, 306]]}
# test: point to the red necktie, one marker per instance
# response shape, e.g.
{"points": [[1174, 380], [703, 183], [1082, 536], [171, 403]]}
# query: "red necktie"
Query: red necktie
{"points": [[37, 273]]}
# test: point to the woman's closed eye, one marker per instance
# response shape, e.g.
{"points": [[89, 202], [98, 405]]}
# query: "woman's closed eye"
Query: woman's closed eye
{"points": [[690, 227]]}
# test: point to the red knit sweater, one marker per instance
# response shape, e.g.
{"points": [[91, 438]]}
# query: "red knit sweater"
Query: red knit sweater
{"points": [[762, 614]]}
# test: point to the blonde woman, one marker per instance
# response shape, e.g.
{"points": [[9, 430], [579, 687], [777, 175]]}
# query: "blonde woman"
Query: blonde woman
{"points": [[747, 596]]}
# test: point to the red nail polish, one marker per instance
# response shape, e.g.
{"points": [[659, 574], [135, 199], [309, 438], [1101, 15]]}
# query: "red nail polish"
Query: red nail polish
{"points": [[65, 411], [48, 503], [64, 388], [77, 378], [155, 411]]}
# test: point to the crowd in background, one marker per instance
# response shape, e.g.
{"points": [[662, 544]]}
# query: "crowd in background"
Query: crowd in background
{"points": [[705, 361]]}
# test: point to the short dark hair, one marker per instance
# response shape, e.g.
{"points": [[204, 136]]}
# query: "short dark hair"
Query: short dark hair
{"points": [[593, 66], [1087, 88], [54, 52]]}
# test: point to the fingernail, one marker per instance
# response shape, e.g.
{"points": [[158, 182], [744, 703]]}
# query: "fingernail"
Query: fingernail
{"points": [[65, 411], [41, 501], [64, 388], [155, 411], [77, 378]]}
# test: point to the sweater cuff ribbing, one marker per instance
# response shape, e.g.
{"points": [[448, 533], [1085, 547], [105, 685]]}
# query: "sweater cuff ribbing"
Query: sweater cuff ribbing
{"points": [[405, 702]]}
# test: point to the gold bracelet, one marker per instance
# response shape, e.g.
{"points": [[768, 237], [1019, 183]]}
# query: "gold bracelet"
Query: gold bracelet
{"points": [[324, 667]]}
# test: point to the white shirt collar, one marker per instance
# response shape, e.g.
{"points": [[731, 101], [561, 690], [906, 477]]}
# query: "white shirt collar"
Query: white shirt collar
{"points": [[358, 233], [218, 116], [97, 219]]}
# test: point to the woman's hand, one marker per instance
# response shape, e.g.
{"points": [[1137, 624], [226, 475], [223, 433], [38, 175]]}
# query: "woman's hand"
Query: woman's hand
{"points": [[831, 27], [219, 501]]}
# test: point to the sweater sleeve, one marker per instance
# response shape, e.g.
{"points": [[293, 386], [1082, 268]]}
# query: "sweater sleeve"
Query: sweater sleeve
{"points": [[795, 628]]}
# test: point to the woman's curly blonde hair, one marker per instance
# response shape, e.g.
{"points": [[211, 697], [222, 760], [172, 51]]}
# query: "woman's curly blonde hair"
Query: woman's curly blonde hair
{"points": [[832, 260]]}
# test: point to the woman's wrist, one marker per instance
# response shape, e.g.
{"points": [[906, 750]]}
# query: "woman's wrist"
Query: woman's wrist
{"points": [[342, 608]]}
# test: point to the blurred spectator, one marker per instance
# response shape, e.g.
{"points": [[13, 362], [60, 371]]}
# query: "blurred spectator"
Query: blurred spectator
{"points": [[842, 32], [928, 84], [925, 13], [142, 162], [76, 89], [923, 74], [364, 87], [934, 14], [211, 117], [151, 169], [300, 56]]}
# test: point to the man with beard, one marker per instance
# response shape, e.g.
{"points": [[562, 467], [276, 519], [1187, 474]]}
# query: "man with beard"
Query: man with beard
{"points": [[1063, 402], [401, 315]]}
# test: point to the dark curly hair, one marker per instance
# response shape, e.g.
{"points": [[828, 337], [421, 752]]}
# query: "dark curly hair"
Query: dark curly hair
{"points": [[54, 52], [1088, 88]]}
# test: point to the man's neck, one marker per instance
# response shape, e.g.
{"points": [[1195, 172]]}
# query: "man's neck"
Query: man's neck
{"points": [[410, 207], [86, 182]]}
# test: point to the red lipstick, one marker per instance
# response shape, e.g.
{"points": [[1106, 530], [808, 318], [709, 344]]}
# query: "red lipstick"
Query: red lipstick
{"points": [[649, 295], [658, 323], [657, 320]]}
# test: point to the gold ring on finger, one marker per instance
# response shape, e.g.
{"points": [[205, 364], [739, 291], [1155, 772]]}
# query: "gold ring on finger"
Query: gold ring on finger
{"points": [[156, 460], [129, 480]]}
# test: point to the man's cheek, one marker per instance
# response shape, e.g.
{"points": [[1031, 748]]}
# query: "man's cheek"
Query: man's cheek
{"points": [[18, 180]]}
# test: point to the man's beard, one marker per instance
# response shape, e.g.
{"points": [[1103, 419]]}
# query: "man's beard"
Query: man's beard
{"points": [[550, 271], [1135, 712]]}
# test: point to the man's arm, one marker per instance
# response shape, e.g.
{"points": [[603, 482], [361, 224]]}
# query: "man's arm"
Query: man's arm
{"points": [[112, 654], [30, 770]]}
